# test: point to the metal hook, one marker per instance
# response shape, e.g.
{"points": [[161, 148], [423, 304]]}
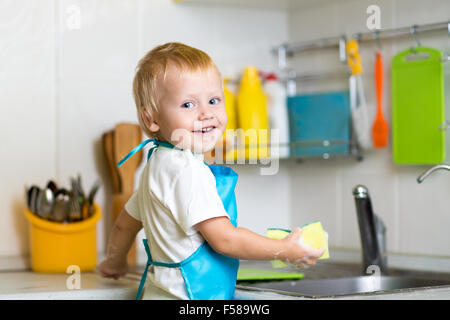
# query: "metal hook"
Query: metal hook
{"points": [[414, 33], [448, 28], [376, 35], [447, 58], [342, 51], [282, 52], [444, 125]]}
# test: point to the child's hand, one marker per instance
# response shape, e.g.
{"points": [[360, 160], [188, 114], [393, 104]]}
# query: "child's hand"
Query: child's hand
{"points": [[299, 255], [110, 268]]}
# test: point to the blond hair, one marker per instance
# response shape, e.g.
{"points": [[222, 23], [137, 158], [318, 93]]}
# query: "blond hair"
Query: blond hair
{"points": [[153, 66]]}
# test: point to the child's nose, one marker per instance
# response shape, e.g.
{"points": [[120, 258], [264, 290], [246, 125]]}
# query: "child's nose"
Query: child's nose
{"points": [[205, 112]]}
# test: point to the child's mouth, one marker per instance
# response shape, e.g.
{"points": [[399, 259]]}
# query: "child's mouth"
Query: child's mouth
{"points": [[205, 131]]}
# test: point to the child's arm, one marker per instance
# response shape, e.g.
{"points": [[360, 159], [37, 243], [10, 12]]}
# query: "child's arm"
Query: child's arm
{"points": [[120, 240], [244, 244]]}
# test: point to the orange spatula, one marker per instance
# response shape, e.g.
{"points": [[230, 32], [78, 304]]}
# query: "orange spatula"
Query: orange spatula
{"points": [[380, 129]]}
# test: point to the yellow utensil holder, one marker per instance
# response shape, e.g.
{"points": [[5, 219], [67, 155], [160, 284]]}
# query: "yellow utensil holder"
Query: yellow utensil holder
{"points": [[55, 246]]}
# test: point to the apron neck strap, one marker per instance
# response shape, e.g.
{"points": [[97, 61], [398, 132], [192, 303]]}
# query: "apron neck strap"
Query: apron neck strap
{"points": [[156, 143]]}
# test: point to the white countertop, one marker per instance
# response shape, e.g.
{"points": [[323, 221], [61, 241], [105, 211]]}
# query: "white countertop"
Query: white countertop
{"points": [[18, 282], [28, 285]]}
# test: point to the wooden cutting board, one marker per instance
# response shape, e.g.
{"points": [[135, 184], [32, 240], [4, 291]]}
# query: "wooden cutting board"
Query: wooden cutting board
{"points": [[126, 137], [418, 107]]}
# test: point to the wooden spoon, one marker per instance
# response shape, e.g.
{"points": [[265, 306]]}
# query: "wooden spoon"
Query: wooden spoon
{"points": [[108, 149]]}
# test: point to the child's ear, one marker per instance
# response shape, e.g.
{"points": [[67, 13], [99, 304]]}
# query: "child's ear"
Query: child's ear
{"points": [[149, 122]]}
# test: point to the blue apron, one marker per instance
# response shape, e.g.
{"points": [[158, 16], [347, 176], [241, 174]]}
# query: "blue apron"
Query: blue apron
{"points": [[207, 274]]}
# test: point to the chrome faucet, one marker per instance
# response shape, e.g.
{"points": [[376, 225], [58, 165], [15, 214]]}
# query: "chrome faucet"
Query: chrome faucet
{"points": [[424, 175], [372, 232]]}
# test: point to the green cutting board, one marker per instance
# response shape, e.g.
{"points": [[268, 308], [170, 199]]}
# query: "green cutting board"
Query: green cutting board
{"points": [[251, 274], [418, 107]]}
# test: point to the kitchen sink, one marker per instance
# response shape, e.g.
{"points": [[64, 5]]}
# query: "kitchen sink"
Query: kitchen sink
{"points": [[319, 288]]}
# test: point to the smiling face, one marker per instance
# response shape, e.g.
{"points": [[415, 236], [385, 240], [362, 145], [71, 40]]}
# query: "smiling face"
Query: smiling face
{"points": [[192, 109]]}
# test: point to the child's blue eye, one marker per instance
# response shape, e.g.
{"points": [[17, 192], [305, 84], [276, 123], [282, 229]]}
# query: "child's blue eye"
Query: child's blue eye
{"points": [[188, 105], [214, 101]]}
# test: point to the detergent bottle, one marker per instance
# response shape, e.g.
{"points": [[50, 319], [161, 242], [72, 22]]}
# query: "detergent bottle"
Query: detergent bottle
{"points": [[252, 117], [278, 112]]}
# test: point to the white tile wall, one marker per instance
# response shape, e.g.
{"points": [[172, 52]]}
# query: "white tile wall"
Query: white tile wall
{"points": [[27, 121], [96, 68], [233, 37], [62, 87], [263, 201], [317, 180], [424, 217]]}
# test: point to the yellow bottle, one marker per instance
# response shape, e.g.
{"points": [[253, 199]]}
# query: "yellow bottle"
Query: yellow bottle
{"points": [[228, 141], [252, 117], [230, 105]]}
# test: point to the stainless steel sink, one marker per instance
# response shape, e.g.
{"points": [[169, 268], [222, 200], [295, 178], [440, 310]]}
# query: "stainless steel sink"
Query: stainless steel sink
{"points": [[344, 286]]}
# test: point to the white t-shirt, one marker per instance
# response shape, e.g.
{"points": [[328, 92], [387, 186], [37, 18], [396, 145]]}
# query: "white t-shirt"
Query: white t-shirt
{"points": [[176, 191]]}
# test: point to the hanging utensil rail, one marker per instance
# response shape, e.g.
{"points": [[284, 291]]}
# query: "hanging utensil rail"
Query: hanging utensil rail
{"points": [[336, 42]]}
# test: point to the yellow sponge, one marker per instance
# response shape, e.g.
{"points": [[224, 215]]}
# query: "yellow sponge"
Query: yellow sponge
{"points": [[277, 234], [313, 236]]}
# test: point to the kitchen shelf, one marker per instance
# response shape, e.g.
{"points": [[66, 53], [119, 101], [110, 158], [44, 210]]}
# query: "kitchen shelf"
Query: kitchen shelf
{"points": [[233, 159]]}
